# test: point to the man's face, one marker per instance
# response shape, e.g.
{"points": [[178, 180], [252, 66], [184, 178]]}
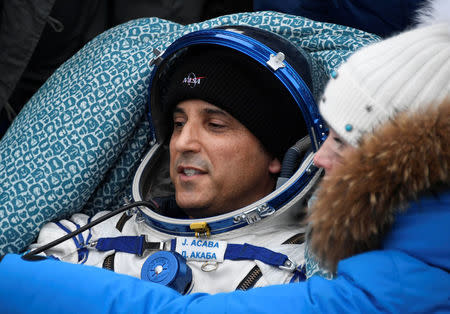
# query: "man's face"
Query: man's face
{"points": [[216, 164], [330, 153]]}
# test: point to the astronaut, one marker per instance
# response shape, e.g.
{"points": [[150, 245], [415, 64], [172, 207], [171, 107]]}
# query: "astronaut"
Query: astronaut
{"points": [[227, 180]]}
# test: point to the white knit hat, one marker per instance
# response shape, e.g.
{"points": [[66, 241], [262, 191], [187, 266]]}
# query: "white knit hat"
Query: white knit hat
{"points": [[403, 73]]}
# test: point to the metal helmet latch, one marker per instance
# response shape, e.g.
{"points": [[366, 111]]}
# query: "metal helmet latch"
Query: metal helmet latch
{"points": [[201, 229], [156, 60], [276, 61]]}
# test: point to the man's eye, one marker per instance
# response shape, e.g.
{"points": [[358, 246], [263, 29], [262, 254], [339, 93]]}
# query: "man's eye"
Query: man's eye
{"points": [[216, 125], [178, 124]]}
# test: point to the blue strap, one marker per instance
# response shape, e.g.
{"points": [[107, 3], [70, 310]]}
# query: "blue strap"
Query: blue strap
{"points": [[299, 274], [136, 245], [80, 235], [251, 252], [78, 242], [90, 233], [83, 250], [126, 244]]}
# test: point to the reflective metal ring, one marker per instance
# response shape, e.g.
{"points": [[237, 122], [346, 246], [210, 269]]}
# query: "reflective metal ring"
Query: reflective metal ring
{"points": [[209, 266]]}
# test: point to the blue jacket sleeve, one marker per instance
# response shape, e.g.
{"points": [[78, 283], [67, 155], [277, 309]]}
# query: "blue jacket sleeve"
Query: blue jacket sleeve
{"points": [[49, 286]]}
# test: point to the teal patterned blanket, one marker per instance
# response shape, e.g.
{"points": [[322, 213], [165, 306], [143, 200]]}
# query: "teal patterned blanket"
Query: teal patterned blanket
{"points": [[76, 144]]}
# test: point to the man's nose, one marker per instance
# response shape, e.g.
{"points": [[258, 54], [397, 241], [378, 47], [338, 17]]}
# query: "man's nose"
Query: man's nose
{"points": [[188, 139]]}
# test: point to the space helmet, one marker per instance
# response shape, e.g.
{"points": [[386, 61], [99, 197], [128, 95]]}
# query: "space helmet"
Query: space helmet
{"points": [[291, 128]]}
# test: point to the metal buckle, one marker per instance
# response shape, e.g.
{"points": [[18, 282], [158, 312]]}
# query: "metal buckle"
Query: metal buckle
{"points": [[255, 214], [91, 244], [289, 266], [151, 246]]}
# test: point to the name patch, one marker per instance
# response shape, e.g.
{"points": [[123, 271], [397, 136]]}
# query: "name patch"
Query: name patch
{"points": [[196, 249]]}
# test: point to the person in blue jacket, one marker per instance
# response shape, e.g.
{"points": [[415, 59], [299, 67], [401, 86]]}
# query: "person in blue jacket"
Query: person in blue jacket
{"points": [[380, 221]]}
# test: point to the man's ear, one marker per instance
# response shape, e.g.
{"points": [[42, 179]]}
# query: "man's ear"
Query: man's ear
{"points": [[274, 166]]}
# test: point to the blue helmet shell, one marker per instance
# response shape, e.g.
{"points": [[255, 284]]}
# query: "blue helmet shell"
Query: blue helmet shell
{"points": [[264, 47]]}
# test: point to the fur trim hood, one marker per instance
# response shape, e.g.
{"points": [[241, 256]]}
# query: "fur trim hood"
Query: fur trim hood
{"points": [[357, 202]]}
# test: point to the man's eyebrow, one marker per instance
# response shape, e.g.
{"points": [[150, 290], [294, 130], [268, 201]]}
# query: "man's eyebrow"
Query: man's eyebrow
{"points": [[216, 111], [206, 111], [178, 110]]}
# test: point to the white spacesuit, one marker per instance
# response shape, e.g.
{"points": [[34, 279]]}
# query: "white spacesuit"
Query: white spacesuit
{"points": [[258, 245]]}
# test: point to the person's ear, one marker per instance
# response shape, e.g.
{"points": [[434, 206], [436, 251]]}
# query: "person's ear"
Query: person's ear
{"points": [[274, 166]]}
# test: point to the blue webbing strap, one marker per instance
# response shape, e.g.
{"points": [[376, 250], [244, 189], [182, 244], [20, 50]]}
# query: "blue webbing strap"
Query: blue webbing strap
{"points": [[80, 236], [90, 233], [126, 244], [300, 274], [136, 245], [79, 243], [248, 251], [251, 252]]}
